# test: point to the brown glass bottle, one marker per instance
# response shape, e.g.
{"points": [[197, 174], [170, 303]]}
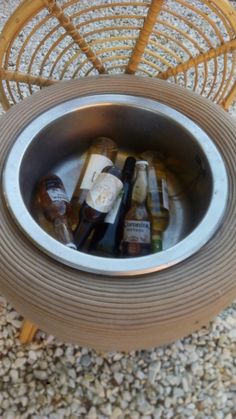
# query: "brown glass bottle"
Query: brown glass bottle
{"points": [[101, 153], [99, 201], [158, 199], [55, 205], [137, 223]]}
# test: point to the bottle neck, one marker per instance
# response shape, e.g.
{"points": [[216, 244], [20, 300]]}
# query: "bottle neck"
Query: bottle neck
{"points": [[140, 188], [63, 232]]}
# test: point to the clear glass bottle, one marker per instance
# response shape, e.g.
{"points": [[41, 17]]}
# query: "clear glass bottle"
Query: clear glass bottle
{"points": [[101, 153], [55, 205], [137, 223], [158, 198]]}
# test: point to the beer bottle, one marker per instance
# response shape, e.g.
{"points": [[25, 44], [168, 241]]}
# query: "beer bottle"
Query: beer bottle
{"points": [[99, 201], [107, 236], [102, 153], [137, 225], [56, 207], [158, 199]]}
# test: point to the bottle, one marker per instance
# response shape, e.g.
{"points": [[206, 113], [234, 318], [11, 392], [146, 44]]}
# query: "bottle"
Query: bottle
{"points": [[56, 207], [137, 223], [101, 153], [99, 201], [107, 236], [158, 199]]}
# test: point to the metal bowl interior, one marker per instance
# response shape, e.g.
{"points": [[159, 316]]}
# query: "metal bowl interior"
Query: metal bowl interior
{"points": [[56, 141]]}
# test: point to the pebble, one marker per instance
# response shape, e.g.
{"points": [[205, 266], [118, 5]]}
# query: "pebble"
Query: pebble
{"points": [[86, 361], [92, 414], [118, 377], [40, 375], [19, 362], [14, 375], [33, 355]]}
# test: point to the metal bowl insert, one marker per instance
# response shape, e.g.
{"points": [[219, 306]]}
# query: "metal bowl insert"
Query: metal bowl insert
{"points": [[56, 141]]}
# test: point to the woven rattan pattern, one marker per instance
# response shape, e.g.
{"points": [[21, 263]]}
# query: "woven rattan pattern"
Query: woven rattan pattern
{"points": [[189, 43]]}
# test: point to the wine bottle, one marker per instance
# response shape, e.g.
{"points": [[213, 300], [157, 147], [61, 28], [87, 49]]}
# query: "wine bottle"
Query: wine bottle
{"points": [[99, 201], [137, 223], [158, 198], [102, 153], [107, 235], [55, 205]]}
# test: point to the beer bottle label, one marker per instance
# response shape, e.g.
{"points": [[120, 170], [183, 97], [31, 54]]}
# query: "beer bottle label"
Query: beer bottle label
{"points": [[103, 193], [57, 194], [165, 194], [111, 216], [96, 164], [137, 231]]}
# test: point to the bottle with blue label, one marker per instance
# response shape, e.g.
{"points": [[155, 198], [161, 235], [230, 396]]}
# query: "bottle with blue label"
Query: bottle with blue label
{"points": [[137, 223], [55, 205]]}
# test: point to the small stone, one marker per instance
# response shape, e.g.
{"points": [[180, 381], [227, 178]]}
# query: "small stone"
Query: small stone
{"points": [[22, 390], [6, 363], [43, 365], [86, 361], [100, 389], [117, 414], [232, 334], [92, 414], [153, 370], [40, 375], [14, 375], [106, 410], [118, 377], [16, 323], [19, 362], [140, 375], [127, 396], [10, 415], [118, 356], [185, 384], [58, 352], [75, 406], [72, 373], [24, 401], [33, 355]]}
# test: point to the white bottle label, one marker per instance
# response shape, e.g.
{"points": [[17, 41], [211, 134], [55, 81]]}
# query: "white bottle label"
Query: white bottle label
{"points": [[96, 164], [137, 231], [103, 193], [57, 194], [111, 216], [165, 194]]}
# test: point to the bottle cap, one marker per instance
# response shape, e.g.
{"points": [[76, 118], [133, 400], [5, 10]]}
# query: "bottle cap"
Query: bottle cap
{"points": [[143, 162]]}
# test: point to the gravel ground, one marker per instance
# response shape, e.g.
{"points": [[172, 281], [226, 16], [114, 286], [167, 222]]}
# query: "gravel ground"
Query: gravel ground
{"points": [[193, 378]]}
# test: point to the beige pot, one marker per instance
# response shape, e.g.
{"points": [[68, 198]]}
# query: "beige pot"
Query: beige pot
{"points": [[128, 312]]}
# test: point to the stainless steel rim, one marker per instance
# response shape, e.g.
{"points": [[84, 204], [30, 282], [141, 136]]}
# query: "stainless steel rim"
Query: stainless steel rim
{"points": [[185, 248]]}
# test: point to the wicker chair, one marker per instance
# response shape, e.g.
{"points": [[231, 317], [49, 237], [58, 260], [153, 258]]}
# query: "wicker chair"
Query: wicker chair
{"points": [[189, 43], [176, 40]]}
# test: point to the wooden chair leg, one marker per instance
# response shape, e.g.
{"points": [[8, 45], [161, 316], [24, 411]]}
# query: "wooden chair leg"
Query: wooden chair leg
{"points": [[28, 331]]}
